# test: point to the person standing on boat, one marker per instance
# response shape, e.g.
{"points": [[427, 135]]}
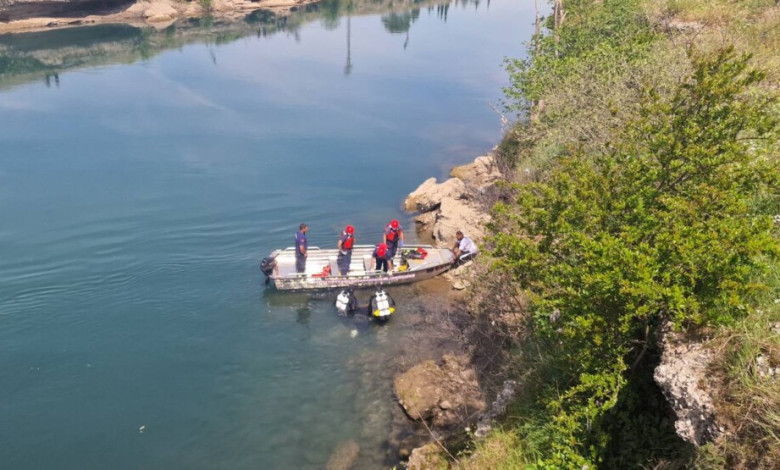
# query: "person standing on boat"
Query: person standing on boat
{"points": [[301, 246], [382, 259], [346, 243], [393, 236]]}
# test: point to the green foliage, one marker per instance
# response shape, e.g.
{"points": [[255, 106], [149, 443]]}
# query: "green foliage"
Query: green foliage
{"points": [[670, 223]]}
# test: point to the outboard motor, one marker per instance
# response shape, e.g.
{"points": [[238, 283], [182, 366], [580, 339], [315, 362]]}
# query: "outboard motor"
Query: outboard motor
{"points": [[346, 302], [382, 306], [267, 266]]}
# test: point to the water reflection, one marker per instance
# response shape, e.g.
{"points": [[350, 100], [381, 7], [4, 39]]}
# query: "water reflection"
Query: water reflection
{"points": [[26, 57]]}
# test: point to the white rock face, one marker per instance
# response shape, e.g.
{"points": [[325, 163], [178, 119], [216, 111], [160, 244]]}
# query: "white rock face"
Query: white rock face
{"points": [[682, 377], [428, 196], [457, 215], [160, 12], [481, 172]]}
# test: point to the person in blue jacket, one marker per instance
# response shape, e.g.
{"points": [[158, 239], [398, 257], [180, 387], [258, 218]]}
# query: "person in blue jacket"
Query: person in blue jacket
{"points": [[301, 246]]}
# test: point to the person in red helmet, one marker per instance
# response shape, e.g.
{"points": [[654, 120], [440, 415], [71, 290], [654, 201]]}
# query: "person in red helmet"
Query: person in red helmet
{"points": [[345, 245], [382, 259], [393, 236]]}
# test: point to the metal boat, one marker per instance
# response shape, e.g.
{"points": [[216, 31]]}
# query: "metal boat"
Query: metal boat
{"points": [[322, 270]]}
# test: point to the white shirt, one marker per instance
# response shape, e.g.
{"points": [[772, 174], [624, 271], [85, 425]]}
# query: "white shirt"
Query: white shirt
{"points": [[467, 244]]}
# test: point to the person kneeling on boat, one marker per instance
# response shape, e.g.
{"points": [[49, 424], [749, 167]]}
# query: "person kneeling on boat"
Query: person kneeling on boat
{"points": [[382, 258], [464, 247], [345, 245]]}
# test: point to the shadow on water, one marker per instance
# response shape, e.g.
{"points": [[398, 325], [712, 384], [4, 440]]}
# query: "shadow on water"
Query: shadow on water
{"points": [[28, 57]]}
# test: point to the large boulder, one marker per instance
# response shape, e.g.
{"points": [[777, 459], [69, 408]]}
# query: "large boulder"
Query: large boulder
{"points": [[428, 196], [448, 393], [480, 173], [682, 377], [158, 12], [418, 390], [457, 215]]}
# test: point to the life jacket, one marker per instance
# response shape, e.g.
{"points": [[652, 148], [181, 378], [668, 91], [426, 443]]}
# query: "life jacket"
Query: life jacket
{"points": [[325, 272], [423, 252], [392, 236], [381, 250], [348, 243], [383, 305]]}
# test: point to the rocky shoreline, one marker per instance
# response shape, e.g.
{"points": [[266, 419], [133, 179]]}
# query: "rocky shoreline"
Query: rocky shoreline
{"points": [[34, 15], [444, 399]]}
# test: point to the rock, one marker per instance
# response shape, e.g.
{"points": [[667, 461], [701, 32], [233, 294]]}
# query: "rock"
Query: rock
{"points": [[343, 458], [417, 390], [159, 12], [498, 409], [429, 195], [679, 26], [457, 215], [480, 173], [448, 394], [427, 457], [682, 376], [461, 284]]}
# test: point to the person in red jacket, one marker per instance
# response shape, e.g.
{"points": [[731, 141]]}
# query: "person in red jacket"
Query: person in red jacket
{"points": [[345, 245], [393, 236], [382, 259]]}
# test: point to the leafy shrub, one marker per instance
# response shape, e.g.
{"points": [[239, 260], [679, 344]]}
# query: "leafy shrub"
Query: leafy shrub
{"points": [[669, 223]]}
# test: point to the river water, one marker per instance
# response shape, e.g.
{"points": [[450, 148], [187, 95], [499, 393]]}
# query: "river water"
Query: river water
{"points": [[144, 174]]}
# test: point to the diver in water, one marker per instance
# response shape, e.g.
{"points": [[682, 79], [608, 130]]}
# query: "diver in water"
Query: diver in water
{"points": [[380, 306]]}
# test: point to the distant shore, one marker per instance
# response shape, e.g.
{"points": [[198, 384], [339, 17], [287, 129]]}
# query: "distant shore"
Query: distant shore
{"points": [[155, 13]]}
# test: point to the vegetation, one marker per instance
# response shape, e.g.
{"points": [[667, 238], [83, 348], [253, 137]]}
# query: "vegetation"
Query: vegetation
{"points": [[646, 193]]}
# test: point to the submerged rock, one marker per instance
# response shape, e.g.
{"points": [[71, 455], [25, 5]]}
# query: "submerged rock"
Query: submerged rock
{"points": [[343, 458], [447, 394]]}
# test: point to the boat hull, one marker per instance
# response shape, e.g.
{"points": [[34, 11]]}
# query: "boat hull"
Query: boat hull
{"points": [[360, 275]]}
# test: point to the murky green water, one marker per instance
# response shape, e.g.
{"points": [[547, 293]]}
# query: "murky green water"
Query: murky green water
{"points": [[144, 174]]}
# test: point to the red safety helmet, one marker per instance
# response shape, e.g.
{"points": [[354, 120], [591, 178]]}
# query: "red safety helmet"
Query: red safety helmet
{"points": [[350, 229], [381, 249], [394, 223]]}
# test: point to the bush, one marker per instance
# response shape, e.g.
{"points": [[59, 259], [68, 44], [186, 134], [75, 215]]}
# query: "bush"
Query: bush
{"points": [[669, 223]]}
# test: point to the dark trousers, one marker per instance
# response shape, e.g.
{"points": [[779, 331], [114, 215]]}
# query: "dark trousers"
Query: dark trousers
{"points": [[300, 264], [391, 249], [344, 261], [381, 264]]}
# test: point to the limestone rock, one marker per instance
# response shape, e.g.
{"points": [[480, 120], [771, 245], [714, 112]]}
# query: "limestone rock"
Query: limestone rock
{"points": [[457, 215], [429, 195], [343, 458], [682, 377], [427, 457], [481, 172], [498, 409], [448, 394], [159, 12], [417, 390]]}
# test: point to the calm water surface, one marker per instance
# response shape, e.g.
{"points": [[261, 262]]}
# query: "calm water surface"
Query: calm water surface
{"points": [[137, 197]]}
